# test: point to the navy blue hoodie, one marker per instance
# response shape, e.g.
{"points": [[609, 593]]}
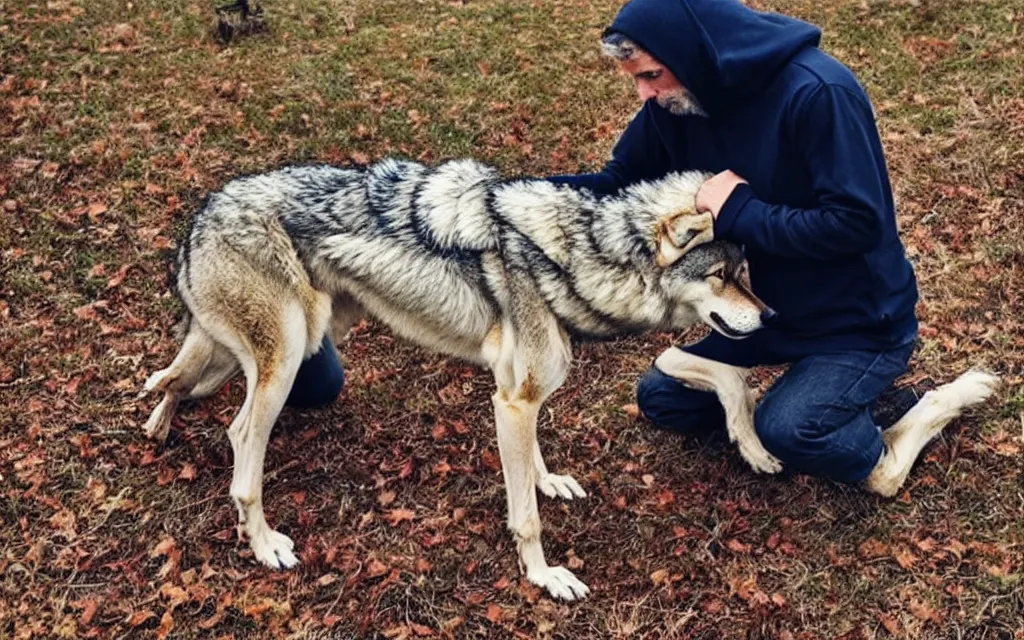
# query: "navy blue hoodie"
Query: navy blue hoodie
{"points": [[817, 217]]}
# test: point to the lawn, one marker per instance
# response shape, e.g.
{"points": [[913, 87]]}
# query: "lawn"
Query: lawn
{"points": [[116, 118]]}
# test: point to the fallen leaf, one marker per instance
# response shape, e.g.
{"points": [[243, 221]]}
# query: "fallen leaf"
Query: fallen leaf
{"points": [[331, 619], [925, 612], [659, 576], [164, 547], [493, 613], [891, 624], [905, 558], [397, 632], [88, 611], [376, 568], [737, 546], [95, 210], [139, 617], [188, 472], [406, 469], [165, 475], [490, 460], [119, 276], [871, 548], [174, 593], [396, 516]]}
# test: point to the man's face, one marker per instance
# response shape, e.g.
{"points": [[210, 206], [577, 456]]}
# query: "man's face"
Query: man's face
{"points": [[655, 80]]}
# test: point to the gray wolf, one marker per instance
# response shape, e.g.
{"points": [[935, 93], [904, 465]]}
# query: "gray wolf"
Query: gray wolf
{"points": [[502, 273]]}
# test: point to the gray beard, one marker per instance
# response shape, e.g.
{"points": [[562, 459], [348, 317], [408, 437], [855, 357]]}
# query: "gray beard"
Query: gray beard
{"points": [[681, 102]]}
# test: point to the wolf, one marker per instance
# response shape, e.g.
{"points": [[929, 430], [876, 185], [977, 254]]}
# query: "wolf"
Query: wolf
{"points": [[505, 273]]}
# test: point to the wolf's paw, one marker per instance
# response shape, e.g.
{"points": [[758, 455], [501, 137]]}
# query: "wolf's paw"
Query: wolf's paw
{"points": [[560, 583], [553, 485], [972, 387], [159, 424], [757, 456], [273, 549]]}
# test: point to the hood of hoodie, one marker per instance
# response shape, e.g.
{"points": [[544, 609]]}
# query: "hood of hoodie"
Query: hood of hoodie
{"points": [[720, 50]]}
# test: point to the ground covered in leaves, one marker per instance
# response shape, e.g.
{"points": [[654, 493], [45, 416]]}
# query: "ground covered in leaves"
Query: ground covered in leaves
{"points": [[117, 117]]}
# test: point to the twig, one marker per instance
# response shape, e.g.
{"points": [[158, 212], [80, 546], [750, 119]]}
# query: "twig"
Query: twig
{"points": [[21, 381], [67, 590], [196, 503], [282, 468]]}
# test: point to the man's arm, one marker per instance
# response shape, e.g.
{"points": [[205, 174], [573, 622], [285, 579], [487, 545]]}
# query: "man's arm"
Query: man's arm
{"points": [[638, 155], [839, 144]]}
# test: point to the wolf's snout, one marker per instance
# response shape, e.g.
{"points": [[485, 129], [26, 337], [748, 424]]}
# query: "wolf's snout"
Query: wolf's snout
{"points": [[768, 316]]}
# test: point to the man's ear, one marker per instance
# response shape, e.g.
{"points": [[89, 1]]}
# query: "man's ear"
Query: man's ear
{"points": [[678, 233]]}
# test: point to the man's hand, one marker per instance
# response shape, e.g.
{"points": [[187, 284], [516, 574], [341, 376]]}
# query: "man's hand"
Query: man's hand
{"points": [[715, 191]]}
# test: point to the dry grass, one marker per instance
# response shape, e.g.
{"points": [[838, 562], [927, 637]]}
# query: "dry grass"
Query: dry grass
{"points": [[116, 118]]}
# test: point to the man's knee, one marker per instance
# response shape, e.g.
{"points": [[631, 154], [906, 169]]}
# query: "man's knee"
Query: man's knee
{"points": [[832, 442], [670, 404], [319, 380], [791, 425]]}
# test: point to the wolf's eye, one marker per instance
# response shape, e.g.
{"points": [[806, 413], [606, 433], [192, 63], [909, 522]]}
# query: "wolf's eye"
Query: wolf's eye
{"points": [[717, 273]]}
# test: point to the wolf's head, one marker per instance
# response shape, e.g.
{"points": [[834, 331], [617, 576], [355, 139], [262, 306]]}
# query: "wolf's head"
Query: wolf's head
{"points": [[712, 280]]}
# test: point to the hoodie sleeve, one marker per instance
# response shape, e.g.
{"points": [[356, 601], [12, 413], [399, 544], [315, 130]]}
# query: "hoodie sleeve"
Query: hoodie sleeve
{"points": [[839, 145], [638, 155]]}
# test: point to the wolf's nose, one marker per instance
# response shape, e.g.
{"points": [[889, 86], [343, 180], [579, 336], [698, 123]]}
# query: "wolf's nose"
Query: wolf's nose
{"points": [[768, 316]]}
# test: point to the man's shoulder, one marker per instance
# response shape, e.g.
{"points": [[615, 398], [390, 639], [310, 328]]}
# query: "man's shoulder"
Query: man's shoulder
{"points": [[809, 72], [813, 68]]}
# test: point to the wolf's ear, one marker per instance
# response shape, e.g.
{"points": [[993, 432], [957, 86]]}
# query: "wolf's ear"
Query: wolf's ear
{"points": [[678, 233]]}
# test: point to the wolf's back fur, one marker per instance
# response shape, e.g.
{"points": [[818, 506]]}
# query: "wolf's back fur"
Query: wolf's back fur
{"points": [[375, 232]]}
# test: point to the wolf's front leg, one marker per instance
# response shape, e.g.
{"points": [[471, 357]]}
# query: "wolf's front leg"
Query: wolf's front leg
{"points": [[516, 419], [730, 386]]}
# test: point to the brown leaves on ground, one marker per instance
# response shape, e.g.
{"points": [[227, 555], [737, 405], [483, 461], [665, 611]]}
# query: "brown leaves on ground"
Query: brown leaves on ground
{"points": [[393, 497]]}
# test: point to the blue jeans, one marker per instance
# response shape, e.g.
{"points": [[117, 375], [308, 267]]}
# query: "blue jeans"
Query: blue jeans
{"points": [[816, 418], [319, 380]]}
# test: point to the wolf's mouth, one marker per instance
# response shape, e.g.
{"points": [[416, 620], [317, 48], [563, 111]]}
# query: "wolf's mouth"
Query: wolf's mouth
{"points": [[724, 327]]}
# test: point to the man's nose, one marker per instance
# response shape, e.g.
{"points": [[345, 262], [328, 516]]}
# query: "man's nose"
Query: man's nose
{"points": [[646, 91]]}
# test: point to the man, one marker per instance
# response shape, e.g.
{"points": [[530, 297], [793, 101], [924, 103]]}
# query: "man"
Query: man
{"points": [[801, 182], [319, 379]]}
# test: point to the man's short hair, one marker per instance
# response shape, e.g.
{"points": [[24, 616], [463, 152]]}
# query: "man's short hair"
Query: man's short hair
{"points": [[617, 45]]}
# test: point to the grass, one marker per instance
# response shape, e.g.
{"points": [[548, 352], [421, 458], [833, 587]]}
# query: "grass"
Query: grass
{"points": [[116, 118]]}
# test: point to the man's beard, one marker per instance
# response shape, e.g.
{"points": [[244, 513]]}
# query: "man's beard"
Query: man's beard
{"points": [[680, 102]]}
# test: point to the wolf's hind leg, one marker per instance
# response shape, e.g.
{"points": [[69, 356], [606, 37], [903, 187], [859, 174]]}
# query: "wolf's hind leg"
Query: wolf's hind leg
{"points": [[178, 379], [925, 420]]}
